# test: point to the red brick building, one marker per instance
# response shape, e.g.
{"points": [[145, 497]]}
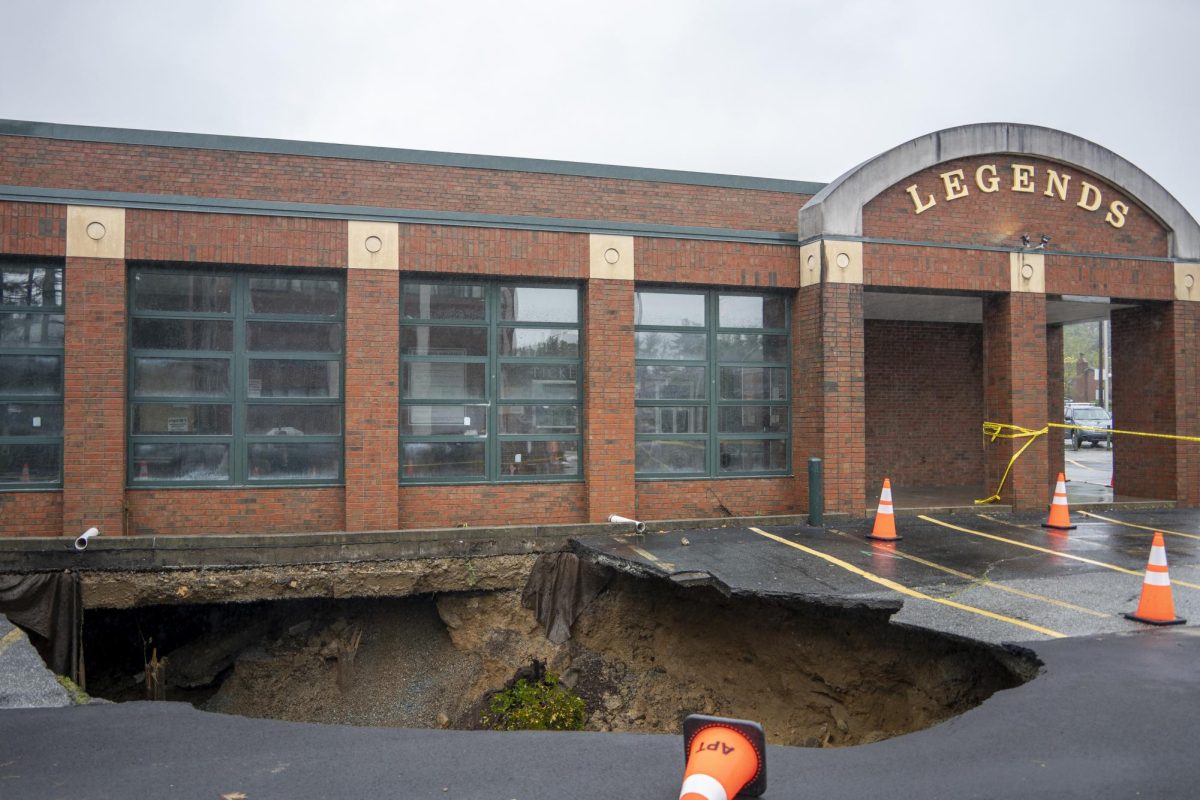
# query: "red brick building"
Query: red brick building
{"points": [[204, 334]]}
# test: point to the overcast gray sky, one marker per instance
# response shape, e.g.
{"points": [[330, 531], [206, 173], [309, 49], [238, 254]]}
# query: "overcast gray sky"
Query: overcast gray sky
{"points": [[800, 90]]}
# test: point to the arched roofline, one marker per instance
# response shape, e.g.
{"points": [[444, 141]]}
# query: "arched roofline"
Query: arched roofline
{"points": [[837, 209]]}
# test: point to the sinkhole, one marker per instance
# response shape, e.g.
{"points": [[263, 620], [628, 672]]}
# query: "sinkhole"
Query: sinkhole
{"points": [[643, 653]]}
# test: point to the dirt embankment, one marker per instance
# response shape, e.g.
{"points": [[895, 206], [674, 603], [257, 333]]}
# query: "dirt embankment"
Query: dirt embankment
{"points": [[643, 655]]}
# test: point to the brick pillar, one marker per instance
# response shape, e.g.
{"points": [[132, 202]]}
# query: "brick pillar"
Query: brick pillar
{"points": [[609, 399], [1154, 388], [829, 417], [1054, 400], [1185, 346], [94, 396], [372, 399], [1015, 392]]}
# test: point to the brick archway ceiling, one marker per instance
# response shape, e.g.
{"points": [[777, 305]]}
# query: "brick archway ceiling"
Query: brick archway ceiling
{"points": [[836, 211]]}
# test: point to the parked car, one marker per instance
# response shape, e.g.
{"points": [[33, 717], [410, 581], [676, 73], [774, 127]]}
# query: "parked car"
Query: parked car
{"points": [[1090, 416]]}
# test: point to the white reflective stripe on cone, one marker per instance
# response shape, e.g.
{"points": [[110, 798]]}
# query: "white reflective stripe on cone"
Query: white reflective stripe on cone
{"points": [[705, 786], [1158, 557], [886, 497], [1157, 579], [1060, 499]]}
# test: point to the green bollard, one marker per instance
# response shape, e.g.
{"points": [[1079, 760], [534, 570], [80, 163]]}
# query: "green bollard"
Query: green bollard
{"points": [[816, 493]]}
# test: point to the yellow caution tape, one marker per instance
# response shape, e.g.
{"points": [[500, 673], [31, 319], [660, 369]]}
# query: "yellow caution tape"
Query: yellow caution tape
{"points": [[1001, 430]]}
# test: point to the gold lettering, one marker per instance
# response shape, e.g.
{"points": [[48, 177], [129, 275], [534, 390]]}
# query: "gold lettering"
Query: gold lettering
{"points": [[916, 198], [1056, 185], [1022, 178], [954, 184], [993, 183], [1088, 190], [1116, 214]]}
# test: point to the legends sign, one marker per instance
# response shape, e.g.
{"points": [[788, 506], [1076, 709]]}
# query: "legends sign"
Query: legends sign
{"points": [[1025, 178]]}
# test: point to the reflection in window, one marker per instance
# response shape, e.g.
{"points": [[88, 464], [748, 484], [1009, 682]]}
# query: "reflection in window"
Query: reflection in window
{"points": [[235, 378], [490, 382], [31, 373], [711, 355]]}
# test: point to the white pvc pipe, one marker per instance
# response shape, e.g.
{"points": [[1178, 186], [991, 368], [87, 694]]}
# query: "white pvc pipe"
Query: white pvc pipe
{"points": [[640, 527], [82, 542]]}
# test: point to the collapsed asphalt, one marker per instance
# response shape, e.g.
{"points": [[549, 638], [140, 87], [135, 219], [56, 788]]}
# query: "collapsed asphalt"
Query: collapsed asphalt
{"points": [[1110, 716]]}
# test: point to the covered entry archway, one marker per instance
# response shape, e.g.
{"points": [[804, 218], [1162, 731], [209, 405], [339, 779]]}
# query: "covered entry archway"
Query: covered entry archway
{"points": [[953, 261]]}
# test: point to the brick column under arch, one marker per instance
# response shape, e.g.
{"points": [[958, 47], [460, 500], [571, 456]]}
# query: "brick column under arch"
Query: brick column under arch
{"points": [[829, 399], [1015, 392]]}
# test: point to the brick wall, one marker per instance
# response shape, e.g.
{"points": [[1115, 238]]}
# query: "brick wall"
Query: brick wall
{"points": [[1186, 345], [32, 514], [999, 218], [609, 378], [234, 239], [1054, 400], [449, 250], [33, 229], [1015, 392], [1144, 398], [515, 504], [935, 268], [808, 413], [372, 399], [924, 403], [717, 263], [94, 396], [177, 512], [696, 499], [304, 179]]}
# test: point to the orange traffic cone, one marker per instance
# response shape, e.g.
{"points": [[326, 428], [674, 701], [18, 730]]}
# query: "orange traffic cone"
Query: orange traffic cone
{"points": [[885, 518], [725, 758], [1157, 606], [1060, 513]]}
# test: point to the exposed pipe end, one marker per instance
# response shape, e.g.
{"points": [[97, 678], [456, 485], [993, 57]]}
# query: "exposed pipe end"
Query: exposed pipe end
{"points": [[82, 542], [640, 527]]}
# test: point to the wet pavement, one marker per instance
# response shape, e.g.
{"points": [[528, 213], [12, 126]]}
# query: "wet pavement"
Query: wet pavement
{"points": [[1110, 716], [993, 576]]}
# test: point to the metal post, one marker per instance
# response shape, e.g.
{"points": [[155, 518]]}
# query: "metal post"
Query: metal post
{"points": [[816, 492]]}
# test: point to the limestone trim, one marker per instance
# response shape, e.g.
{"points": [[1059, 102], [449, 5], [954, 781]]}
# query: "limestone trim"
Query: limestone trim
{"points": [[95, 232], [1028, 272], [372, 245], [810, 264], [611, 257], [1187, 282]]}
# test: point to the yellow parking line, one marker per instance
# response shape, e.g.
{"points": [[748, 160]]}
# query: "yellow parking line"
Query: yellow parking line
{"points": [[988, 582], [904, 590], [1105, 565], [1142, 527]]}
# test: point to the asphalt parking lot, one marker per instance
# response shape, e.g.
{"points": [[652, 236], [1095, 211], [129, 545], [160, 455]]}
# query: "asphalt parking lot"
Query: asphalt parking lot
{"points": [[1111, 716], [996, 577]]}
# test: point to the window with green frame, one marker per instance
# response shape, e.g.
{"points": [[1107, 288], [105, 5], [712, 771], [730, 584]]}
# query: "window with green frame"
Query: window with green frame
{"points": [[235, 378], [713, 376], [491, 388], [31, 373]]}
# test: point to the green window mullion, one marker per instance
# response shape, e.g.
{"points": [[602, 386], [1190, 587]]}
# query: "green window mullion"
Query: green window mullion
{"points": [[491, 445], [238, 456]]}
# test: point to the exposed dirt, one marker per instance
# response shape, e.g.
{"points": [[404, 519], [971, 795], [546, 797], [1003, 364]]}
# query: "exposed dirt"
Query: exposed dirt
{"points": [[344, 579], [643, 655]]}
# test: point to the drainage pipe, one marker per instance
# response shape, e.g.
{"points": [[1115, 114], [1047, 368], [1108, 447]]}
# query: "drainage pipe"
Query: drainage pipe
{"points": [[82, 542], [640, 527]]}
